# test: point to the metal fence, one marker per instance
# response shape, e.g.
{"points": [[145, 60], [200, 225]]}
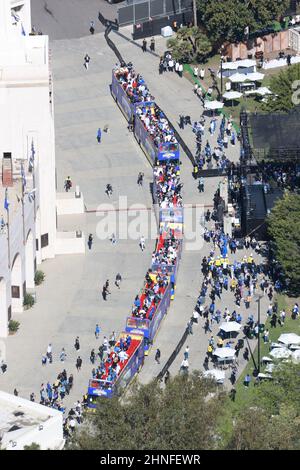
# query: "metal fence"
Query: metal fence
{"points": [[144, 10]]}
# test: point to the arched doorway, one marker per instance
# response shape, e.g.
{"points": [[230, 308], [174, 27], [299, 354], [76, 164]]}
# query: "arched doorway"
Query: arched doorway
{"points": [[3, 308], [16, 285], [29, 261]]}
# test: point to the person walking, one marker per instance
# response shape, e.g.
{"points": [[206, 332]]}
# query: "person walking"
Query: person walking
{"points": [[49, 353], [184, 367], [67, 184], [247, 380], [152, 45], [63, 355], [118, 280], [78, 363], [16, 393], [99, 135], [90, 241], [142, 242], [92, 356], [186, 352], [232, 394], [97, 331], [201, 185], [140, 178], [181, 121], [109, 190], [113, 239], [157, 356], [77, 344], [92, 27], [167, 377], [86, 61], [144, 45]]}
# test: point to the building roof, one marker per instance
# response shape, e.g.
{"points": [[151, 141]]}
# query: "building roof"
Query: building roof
{"points": [[19, 417]]}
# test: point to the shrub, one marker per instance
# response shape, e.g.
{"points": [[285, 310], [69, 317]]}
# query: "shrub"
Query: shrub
{"points": [[28, 301], [39, 277], [13, 326]]}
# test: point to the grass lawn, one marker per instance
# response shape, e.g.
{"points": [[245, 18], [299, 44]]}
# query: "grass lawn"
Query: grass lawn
{"points": [[248, 103], [245, 395]]}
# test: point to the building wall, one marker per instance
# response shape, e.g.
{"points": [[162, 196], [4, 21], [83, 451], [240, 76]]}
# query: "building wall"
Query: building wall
{"points": [[270, 43], [26, 117]]}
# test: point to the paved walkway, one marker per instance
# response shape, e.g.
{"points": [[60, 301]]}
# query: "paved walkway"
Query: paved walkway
{"points": [[68, 302]]}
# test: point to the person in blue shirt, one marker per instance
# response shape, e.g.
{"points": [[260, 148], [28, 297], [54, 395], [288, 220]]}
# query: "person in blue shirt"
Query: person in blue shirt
{"points": [[99, 135]]}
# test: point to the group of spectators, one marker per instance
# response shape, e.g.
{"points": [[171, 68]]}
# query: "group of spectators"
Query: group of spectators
{"points": [[209, 157], [157, 125], [154, 288], [167, 185], [133, 84], [168, 64]]}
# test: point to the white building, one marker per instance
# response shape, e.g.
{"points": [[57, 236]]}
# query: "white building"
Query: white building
{"points": [[23, 423], [26, 133], [294, 39]]}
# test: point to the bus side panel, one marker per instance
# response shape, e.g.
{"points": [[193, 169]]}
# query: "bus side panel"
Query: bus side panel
{"points": [[161, 310], [144, 139], [120, 96], [132, 367]]}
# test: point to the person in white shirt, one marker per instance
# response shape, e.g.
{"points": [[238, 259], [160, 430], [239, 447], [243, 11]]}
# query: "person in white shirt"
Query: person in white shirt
{"points": [[123, 356], [142, 242], [202, 73], [180, 70], [196, 72]]}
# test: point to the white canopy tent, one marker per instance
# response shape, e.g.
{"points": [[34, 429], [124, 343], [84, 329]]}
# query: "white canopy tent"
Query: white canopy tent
{"points": [[289, 338], [224, 353], [238, 78], [280, 353], [255, 76], [213, 104], [232, 95], [230, 326]]}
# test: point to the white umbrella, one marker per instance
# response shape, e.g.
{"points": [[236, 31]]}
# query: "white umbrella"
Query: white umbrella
{"points": [[255, 76], [213, 104], [218, 375], [238, 78], [289, 338], [280, 353], [296, 356], [224, 352], [232, 95], [230, 326]]}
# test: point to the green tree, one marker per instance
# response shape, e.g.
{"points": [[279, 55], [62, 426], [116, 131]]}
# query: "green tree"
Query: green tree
{"points": [[227, 19], [283, 87], [284, 227], [271, 419], [190, 44], [182, 415]]}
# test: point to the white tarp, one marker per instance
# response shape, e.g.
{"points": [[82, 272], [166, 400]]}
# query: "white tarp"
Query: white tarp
{"points": [[289, 338], [230, 326]]}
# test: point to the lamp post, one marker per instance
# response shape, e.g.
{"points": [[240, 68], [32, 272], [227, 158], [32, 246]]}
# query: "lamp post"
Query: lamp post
{"points": [[221, 63], [258, 320]]}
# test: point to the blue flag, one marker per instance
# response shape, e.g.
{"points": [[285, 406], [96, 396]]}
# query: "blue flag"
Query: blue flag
{"points": [[23, 30], [31, 158], [23, 176], [6, 201]]}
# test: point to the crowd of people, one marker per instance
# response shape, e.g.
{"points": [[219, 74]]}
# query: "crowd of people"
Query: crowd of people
{"points": [[157, 125], [209, 157], [133, 84], [167, 185], [154, 288]]}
